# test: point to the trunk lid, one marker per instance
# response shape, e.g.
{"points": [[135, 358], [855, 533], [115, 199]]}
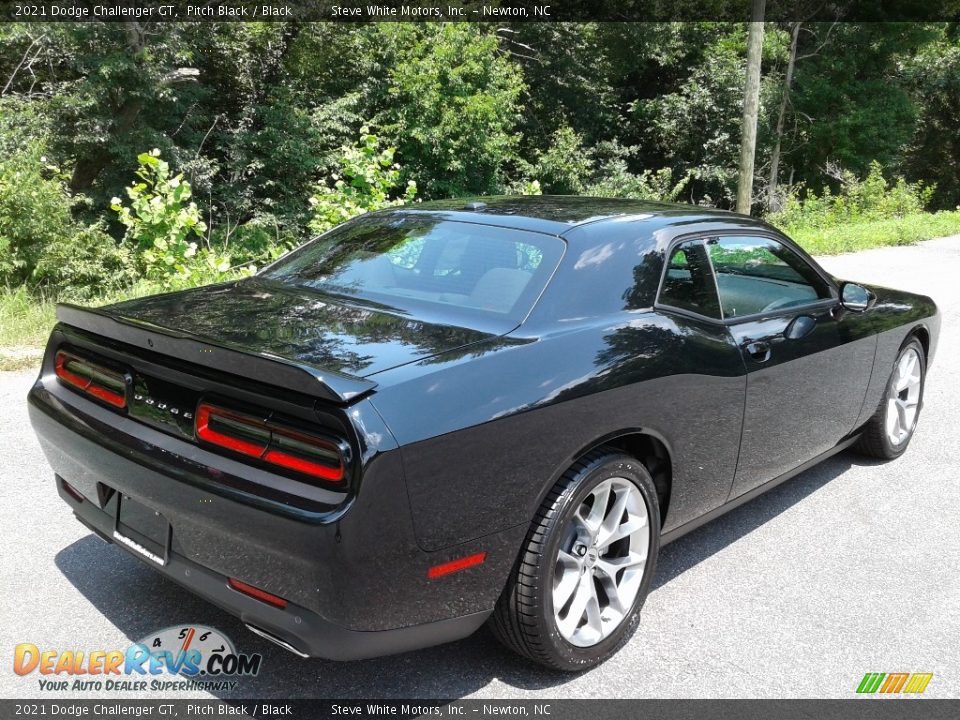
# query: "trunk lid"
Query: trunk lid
{"points": [[270, 331]]}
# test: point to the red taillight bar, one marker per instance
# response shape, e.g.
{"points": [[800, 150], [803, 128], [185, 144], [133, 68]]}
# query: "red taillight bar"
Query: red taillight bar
{"points": [[255, 592], [270, 442], [91, 378], [205, 432], [292, 462]]}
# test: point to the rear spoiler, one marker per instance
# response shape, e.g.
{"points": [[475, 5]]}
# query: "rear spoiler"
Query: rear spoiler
{"points": [[260, 367]]}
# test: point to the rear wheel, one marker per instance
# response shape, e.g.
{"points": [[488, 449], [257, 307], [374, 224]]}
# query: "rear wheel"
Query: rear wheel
{"points": [[889, 431], [574, 597]]}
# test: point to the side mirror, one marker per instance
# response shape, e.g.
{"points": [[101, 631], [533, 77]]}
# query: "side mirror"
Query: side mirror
{"points": [[855, 297]]}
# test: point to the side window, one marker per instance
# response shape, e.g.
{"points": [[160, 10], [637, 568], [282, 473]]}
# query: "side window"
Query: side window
{"points": [[688, 282], [758, 274]]}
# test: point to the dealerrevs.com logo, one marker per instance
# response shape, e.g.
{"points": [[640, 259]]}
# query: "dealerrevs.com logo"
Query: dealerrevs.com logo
{"points": [[191, 657]]}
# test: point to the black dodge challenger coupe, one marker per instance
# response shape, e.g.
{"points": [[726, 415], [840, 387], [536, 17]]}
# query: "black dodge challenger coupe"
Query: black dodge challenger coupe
{"points": [[458, 411]]}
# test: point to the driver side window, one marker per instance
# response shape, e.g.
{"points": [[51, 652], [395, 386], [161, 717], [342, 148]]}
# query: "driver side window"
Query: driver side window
{"points": [[758, 274]]}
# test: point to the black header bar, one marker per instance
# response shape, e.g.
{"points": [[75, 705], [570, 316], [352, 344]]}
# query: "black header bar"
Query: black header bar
{"points": [[491, 11]]}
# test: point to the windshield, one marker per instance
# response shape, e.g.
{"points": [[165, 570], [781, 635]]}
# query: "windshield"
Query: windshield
{"points": [[422, 264]]}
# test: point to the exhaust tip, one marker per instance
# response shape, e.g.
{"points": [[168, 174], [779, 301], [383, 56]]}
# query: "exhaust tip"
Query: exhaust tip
{"points": [[275, 640]]}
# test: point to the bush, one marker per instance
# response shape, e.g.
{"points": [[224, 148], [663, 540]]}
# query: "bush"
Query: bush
{"points": [[85, 266], [260, 240], [165, 224], [649, 185], [452, 103], [564, 167], [368, 176], [867, 200], [42, 246]]}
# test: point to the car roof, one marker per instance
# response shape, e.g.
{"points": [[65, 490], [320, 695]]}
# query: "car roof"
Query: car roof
{"points": [[558, 214]]}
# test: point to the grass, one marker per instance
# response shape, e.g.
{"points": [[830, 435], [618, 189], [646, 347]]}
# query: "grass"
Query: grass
{"points": [[876, 233], [26, 320], [25, 323]]}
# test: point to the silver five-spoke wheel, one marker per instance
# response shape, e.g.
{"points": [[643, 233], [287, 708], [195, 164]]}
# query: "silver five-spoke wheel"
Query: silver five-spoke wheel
{"points": [[600, 562], [577, 588], [904, 398]]}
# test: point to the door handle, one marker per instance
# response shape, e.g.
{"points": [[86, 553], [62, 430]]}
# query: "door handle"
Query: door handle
{"points": [[759, 351]]}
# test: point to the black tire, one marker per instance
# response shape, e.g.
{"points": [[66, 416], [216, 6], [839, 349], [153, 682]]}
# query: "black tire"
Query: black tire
{"points": [[524, 618], [874, 441]]}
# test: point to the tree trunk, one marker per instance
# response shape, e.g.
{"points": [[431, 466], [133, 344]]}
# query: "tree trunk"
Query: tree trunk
{"points": [[751, 108], [89, 167], [773, 199]]}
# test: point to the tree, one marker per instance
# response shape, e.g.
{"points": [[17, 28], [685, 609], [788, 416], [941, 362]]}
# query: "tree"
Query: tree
{"points": [[451, 106], [751, 109], [773, 199]]}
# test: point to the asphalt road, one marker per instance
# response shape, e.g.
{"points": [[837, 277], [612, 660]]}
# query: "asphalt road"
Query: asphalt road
{"points": [[851, 567]]}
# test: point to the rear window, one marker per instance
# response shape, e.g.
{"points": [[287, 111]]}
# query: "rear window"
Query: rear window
{"points": [[417, 264]]}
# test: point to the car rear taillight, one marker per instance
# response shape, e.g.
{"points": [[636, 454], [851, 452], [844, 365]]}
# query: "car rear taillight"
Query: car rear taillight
{"points": [[91, 378], [270, 442]]}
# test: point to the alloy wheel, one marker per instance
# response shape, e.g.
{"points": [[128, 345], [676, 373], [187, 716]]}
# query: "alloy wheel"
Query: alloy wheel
{"points": [[600, 562], [904, 398]]}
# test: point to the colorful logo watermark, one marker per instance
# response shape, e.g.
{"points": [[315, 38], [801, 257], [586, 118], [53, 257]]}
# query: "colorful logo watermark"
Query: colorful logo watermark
{"points": [[891, 683], [203, 657]]}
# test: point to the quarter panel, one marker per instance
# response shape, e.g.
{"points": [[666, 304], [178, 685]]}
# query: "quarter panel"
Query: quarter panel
{"points": [[483, 440]]}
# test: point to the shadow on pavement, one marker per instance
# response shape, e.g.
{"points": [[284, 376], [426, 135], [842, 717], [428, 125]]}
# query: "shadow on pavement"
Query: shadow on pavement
{"points": [[690, 550], [138, 601]]}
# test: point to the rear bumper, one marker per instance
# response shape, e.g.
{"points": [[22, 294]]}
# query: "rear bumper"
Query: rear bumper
{"points": [[354, 577], [296, 628]]}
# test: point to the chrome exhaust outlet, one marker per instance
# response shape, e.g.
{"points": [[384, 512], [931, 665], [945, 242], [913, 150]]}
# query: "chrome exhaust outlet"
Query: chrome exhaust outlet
{"points": [[275, 640]]}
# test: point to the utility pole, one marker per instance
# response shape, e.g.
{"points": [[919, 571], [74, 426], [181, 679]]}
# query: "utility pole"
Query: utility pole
{"points": [[751, 108]]}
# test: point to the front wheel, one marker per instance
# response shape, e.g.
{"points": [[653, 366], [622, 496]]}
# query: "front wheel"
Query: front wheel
{"points": [[889, 431], [574, 597]]}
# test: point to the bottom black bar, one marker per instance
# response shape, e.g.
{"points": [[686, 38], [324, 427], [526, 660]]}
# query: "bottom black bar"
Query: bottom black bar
{"points": [[868, 708]]}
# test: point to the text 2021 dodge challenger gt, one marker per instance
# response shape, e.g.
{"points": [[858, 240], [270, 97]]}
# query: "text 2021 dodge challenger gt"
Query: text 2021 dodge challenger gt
{"points": [[438, 415]]}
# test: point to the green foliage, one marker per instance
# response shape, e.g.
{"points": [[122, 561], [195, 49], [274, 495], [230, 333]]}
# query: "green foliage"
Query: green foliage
{"points": [[252, 114], [693, 124], [933, 78], [367, 178], [851, 102], [869, 199], [163, 221], [452, 102], [569, 168], [528, 187], [565, 166], [259, 241], [42, 246], [649, 185], [26, 320]]}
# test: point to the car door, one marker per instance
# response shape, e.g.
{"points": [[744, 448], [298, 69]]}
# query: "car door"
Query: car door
{"points": [[706, 385], [807, 367]]}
